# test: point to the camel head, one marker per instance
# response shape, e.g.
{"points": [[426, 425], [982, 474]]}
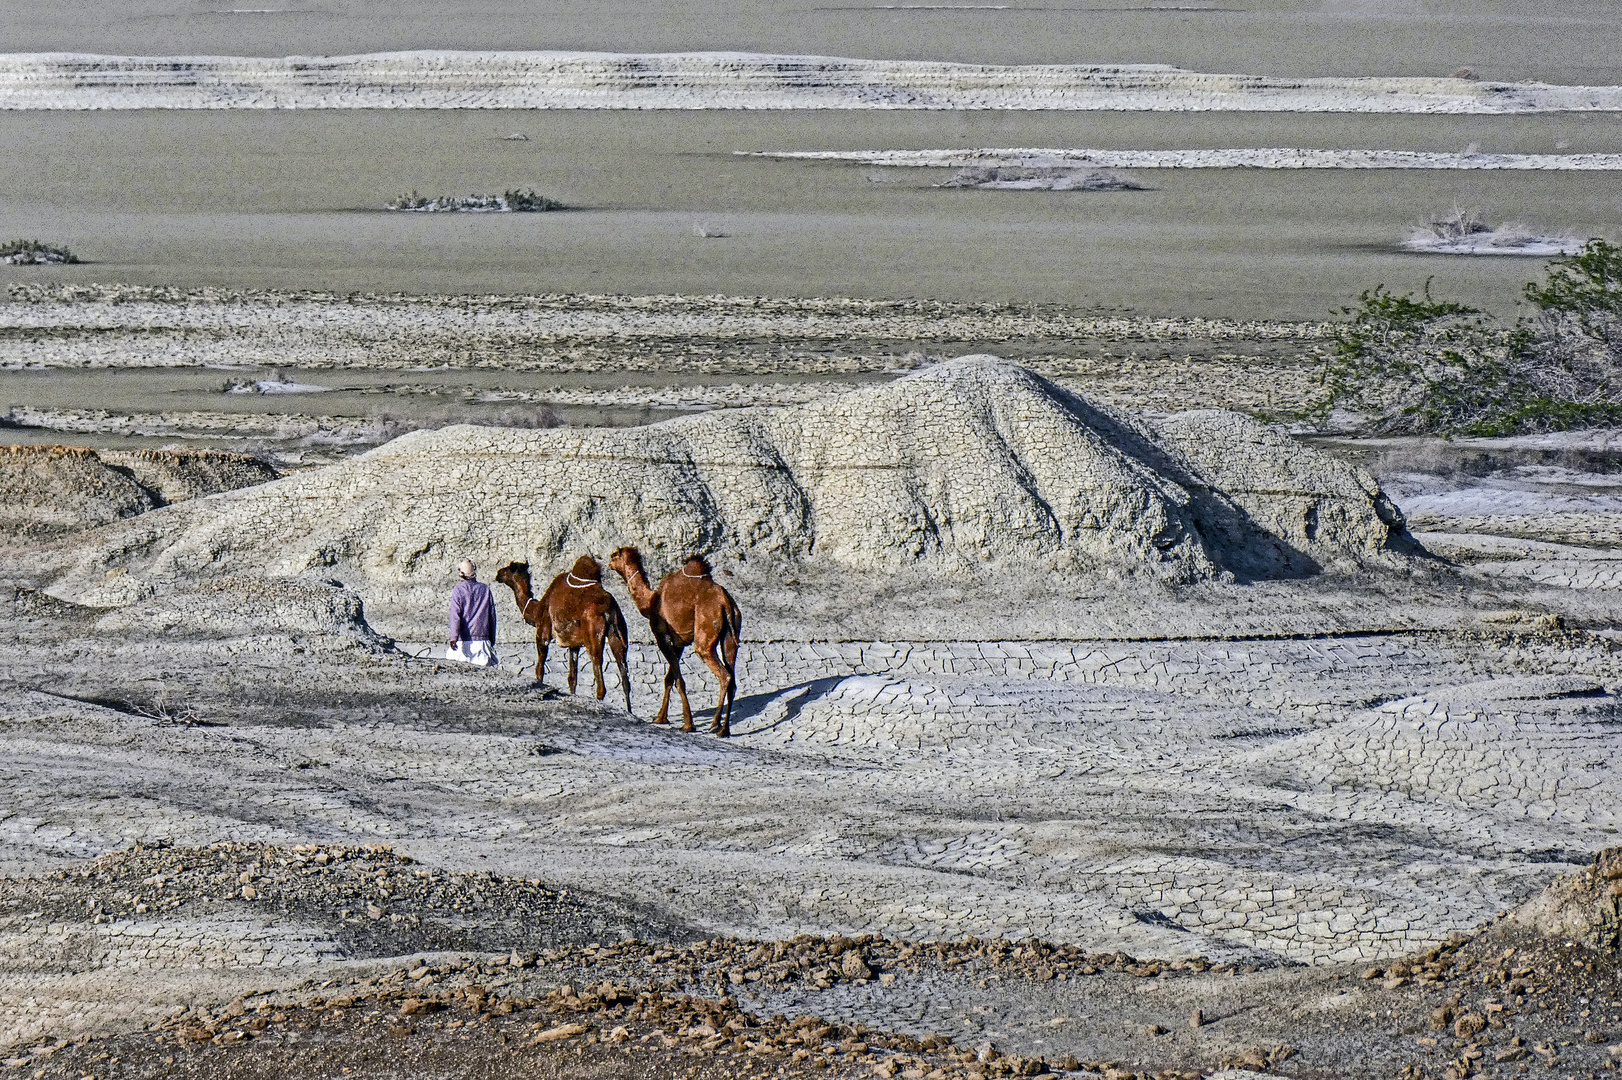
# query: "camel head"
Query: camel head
{"points": [[587, 568], [513, 572], [625, 561]]}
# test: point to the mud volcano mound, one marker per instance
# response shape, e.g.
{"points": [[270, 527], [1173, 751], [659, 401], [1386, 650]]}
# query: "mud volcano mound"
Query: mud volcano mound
{"points": [[968, 468]]}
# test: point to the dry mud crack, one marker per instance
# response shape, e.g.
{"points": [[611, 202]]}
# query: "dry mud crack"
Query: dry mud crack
{"points": [[387, 364], [1217, 737], [1177, 801]]}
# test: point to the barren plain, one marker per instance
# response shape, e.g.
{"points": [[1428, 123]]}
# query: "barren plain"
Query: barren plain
{"points": [[1109, 707], [1142, 715]]}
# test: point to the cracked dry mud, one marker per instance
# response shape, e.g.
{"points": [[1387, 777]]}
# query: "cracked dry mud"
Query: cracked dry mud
{"points": [[1064, 826], [1054, 816]]}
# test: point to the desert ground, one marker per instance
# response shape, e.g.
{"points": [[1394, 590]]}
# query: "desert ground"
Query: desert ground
{"points": [[1222, 738], [1111, 702]]}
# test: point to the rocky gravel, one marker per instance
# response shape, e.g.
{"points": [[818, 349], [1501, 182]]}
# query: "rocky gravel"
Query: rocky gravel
{"points": [[1489, 1003], [369, 900]]}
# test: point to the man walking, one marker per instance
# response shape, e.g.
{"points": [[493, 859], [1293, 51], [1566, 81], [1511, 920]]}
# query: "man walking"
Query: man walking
{"points": [[473, 620]]}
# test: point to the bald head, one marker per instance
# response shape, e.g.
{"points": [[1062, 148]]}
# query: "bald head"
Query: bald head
{"points": [[467, 568]]}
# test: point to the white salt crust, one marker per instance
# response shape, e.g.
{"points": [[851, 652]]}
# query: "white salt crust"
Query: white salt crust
{"points": [[726, 80]]}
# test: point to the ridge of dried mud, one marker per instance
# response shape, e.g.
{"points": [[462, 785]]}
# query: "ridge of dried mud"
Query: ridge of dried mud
{"points": [[394, 363], [948, 476]]}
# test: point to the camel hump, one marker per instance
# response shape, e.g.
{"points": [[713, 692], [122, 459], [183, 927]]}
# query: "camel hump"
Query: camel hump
{"points": [[697, 566], [587, 569]]}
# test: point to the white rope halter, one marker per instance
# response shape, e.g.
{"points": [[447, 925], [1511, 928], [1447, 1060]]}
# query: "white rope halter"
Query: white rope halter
{"points": [[585, 583], [684, 573]]}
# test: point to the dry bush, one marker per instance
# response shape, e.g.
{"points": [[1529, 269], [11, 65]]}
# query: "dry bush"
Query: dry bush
{"points": [[33, 253], [508, 202]]}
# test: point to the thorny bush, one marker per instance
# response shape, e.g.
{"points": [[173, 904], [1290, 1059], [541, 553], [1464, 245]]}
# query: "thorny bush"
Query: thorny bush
{"points": [[1421, 366]]}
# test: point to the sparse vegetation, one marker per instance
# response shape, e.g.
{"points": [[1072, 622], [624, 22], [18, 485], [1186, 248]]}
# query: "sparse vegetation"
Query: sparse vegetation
{"points": [[1040, 178], [508, 202], [34, 253], [1587, 284], [1466, 231], [1418, 366]]}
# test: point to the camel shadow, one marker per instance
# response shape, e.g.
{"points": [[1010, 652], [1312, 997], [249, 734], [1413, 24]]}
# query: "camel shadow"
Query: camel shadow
{"points": [[793, 699]]}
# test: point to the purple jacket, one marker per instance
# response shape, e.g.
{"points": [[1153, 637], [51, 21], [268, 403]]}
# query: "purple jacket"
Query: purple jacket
{"points": [[473, 612]]}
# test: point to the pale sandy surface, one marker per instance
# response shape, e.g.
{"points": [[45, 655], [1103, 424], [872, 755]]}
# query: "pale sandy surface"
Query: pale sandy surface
{"points": [[164, 199]]}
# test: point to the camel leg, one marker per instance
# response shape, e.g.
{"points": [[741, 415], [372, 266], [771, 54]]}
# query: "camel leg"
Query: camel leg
{"points": [[617, 646], [724, 678], [595, 648], [542, 641], [671, 674], [729, 656], [574, 667], [681, 688]]}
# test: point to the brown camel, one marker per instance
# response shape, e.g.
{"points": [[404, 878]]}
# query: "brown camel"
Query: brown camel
{"points": [[688, 608], [579, 613]]}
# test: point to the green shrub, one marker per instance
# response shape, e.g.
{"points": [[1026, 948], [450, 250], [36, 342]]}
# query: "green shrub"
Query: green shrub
{"points": [[1420, 366], [1585, 283]]}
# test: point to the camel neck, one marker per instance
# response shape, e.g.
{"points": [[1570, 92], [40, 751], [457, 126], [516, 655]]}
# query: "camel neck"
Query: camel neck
{"points": [[641, 594], [521, 592]]}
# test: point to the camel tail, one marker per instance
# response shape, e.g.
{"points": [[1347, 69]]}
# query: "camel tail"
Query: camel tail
{"points": [[619, 627], [734, 632], [729, 650], [619, 640]]}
